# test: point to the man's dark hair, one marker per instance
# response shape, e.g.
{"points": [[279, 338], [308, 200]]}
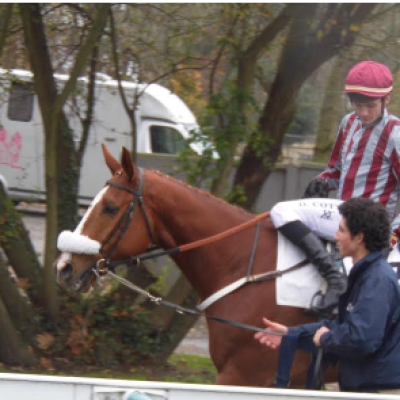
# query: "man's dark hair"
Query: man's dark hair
{"points": [[361, 98], [370, 218]]}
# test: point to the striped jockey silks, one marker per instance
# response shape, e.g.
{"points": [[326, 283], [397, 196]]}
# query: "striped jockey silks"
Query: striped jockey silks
{"points": [[365, 161]]}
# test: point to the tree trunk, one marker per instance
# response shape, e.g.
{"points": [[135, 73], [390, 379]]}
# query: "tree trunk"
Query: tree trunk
{"points": [[130, 111], [5, 19], [332, 107], [61, 174], [141, 277], [174, 325], [13, 350], [161, 317], [18, 306], [17, 246], [45, 87], [238, 126]]}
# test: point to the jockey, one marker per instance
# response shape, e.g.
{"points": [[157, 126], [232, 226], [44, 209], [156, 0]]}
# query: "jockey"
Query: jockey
{"points": [[365, 162]]}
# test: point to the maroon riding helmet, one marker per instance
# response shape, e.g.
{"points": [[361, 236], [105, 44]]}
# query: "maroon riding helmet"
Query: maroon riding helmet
{"points": [[369, 78]]}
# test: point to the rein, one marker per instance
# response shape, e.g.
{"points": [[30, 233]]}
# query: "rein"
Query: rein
{"points": [[101, 274], [186, 247]]}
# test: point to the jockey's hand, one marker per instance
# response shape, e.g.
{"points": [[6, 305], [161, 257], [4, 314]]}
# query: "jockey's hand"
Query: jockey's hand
{"points": [[318, 334], [318, 187], [268, 340]]}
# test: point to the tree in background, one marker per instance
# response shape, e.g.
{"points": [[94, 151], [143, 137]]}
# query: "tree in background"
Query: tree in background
{"points": [[377, 40], [332, 109], [62, 175], [325, 29]]}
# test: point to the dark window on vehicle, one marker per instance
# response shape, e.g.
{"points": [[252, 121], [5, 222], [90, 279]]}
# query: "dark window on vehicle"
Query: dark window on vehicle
{"points": [[166, 140], [20, 103]]}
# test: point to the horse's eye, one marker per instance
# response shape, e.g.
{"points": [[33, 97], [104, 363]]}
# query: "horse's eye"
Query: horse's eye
{"points": [[110, 209]]}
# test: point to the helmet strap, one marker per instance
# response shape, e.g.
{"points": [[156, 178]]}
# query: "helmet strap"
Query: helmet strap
{"points": [[383, 103]]}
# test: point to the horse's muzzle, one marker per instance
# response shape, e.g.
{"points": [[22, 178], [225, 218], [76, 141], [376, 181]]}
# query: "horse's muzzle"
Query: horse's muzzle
{"points": [[66, 273], [69, 278]]}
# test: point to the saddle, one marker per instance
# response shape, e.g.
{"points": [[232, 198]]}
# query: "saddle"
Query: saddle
{"points": [[301, 287]]}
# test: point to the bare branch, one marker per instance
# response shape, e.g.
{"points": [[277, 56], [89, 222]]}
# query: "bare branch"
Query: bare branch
{"points": [[6, 23], [84, 52]]}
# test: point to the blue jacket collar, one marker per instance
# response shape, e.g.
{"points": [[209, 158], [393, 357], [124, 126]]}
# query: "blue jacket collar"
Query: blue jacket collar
{"points": [[363, 264]]}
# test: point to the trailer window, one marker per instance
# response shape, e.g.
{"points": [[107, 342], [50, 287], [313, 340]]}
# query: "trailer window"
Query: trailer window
{"points": [[166, 140], [20, 103]]}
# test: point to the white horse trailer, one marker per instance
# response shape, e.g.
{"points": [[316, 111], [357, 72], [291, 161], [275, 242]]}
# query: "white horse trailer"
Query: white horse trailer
{"points": [[164, 123], [42, 387]]}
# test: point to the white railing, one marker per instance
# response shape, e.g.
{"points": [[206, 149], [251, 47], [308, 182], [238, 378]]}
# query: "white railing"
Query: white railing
{"points": [[42, 387]]}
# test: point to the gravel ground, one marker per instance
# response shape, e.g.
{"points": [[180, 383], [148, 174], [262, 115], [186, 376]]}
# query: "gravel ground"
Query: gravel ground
{"points": [[195, 342]]}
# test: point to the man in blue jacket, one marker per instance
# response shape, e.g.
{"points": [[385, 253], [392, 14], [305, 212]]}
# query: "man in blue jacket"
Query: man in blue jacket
{"points": [[365, 337]]}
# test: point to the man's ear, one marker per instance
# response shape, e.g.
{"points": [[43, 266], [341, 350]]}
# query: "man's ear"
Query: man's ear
{"points": [[360, 237], [387, 99]]}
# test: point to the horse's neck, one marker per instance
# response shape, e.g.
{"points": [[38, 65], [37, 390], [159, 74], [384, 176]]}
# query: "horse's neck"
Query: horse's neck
{"points": [[187, 215]]}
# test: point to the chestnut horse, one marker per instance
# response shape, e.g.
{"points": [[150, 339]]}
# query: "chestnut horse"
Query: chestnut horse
{"points": [[171, 213]]}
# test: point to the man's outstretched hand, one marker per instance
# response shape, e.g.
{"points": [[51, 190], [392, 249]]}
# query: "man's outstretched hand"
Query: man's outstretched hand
{"points": [[269, 340]]}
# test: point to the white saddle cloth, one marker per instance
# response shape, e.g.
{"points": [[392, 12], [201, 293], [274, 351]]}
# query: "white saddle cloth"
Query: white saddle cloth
{"points": [[297, 288]]}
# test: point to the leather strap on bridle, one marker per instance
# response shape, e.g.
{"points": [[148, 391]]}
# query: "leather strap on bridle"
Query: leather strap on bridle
{"points": [[126, 219]]}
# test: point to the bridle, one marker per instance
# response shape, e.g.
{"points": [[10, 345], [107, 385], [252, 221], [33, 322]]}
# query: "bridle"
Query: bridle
{"points": [[120, 229]]}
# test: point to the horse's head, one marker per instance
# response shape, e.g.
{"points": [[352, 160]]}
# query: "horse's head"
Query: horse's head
{"points": [[116, 226]]}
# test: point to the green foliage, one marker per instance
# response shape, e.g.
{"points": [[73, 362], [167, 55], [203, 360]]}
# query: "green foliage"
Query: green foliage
{"points": [[259, 143], [196, 369], [224, 126], [161, 283], [192, 362], [125, 328], [228, 112], [237, 195], [198, 170], [9, 222]]}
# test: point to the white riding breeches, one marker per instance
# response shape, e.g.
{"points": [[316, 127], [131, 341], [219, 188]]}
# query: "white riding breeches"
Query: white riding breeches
{"points": [[321, 216]]}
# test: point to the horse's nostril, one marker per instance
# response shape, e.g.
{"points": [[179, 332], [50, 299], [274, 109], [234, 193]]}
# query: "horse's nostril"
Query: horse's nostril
{"points": [[66, 272]]}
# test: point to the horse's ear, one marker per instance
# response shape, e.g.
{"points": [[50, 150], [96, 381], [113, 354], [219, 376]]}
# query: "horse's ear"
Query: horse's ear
{"points": [[127, 163], [111, 162]]}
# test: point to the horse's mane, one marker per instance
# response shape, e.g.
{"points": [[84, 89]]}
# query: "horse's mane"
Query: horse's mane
{"points": [[201, 192]]}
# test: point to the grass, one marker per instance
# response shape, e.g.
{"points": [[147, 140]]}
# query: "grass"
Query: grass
{"points": [[182, 368]]}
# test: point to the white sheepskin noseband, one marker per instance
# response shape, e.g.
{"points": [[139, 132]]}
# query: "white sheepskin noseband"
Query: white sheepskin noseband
{"points": [[72, 242]]}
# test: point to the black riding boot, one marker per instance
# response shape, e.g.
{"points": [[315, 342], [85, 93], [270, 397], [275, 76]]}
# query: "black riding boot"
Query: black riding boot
{"points": [[301, 236]]}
